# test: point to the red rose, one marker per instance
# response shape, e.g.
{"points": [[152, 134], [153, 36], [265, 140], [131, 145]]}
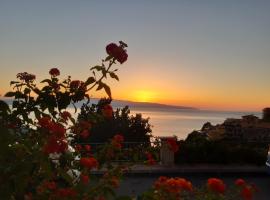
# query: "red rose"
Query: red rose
{"points": [[54, 72], [216, 185]]}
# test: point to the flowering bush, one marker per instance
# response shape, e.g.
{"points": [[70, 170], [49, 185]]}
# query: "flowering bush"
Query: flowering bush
{"points": [[40, 158], [135, 129], [182, 189]]}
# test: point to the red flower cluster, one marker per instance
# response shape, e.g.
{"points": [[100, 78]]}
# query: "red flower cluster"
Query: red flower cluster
{"points": [[85, 179], [173, 185], [78, 89], [150, 159], [78, 147], [107, 111], [51, 185], [85, 134], [55, 145], [240, 182], [76, 84], [66, 192], [89, 162], [56, 142], [65, 115], [246, 190], [54, 72], [173, 144], [114, 181], [87, 147], [117, 141], [24, 76], [216, 185], [82, 129], [247, 193], [118, 52]]}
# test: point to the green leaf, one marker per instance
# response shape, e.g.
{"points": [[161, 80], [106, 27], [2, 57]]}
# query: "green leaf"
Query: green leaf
{"points": [[107, 90], [97, 67], [104, 72], [37, 113], [113, 75], [108, 58], [65, 176], [15, 104], [46, 81], [63, 100], [100, 86], [14, 82], [19, 95], [10, 94], [27, 91], [90, 80]]}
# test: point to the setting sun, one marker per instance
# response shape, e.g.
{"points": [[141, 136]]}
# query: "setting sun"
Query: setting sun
{"points": [[144, 96]]}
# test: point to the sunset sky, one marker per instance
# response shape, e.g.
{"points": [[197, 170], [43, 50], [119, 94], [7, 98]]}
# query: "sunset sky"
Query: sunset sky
{"points": [[207, 54]]}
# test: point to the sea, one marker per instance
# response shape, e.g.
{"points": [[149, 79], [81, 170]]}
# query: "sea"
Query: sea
{"points": [[181, 122], [173, 121]]}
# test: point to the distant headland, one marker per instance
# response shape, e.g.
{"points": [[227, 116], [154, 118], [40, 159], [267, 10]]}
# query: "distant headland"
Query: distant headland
{"points": [[132, 104]]}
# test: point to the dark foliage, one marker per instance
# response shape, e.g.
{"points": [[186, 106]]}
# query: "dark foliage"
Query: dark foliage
{"points": [[197, 148], [135, 129]]}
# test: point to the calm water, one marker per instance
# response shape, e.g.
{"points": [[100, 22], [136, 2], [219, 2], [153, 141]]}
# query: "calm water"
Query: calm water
{"points": [[181, 122]]}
